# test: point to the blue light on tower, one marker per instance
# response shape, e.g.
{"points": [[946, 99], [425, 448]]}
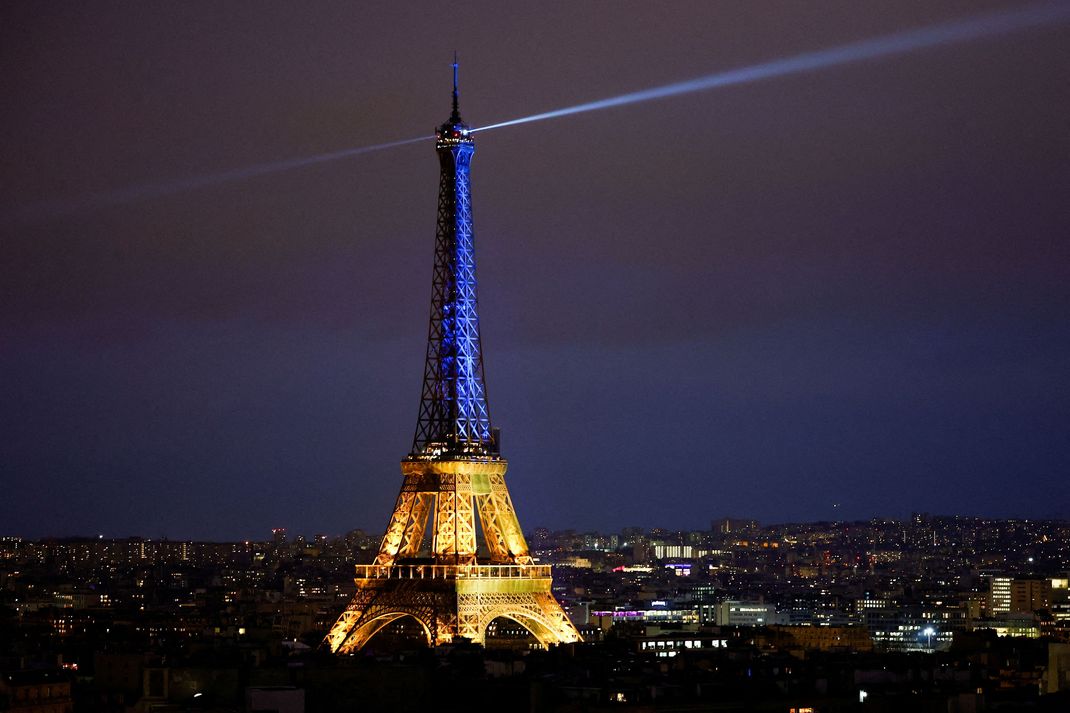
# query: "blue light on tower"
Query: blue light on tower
{"points": [[454, 418]]}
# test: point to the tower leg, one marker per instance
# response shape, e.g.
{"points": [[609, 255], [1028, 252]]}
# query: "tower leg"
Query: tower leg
{"points": [[379, 602], [538, 612]]}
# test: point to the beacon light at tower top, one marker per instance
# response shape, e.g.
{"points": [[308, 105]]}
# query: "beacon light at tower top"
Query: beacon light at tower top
{"points": [[452, 136]]}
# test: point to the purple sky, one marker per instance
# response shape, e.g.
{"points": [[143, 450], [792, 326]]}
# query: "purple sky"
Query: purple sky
{"points": [[843, 287]]}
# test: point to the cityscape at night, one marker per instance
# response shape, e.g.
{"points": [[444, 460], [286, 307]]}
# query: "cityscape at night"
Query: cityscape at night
{"points": [[763, 407], [738, 615]]}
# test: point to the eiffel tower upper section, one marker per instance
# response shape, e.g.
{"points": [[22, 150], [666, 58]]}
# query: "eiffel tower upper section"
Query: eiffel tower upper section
{"points": [[454, 418]]}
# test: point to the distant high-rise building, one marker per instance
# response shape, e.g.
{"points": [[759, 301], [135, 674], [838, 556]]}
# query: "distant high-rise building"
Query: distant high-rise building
{"points": [[1029, 595], [1060, 598], [728, 525], [673, 552], [1007, 595], [999, 595], [735, 613]]}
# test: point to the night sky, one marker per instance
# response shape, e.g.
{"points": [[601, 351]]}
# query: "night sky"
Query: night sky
{"points": [[838, 294]]}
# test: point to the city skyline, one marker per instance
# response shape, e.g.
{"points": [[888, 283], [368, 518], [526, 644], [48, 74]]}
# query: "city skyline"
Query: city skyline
{"points": [[373, 532], [831, 296], [781, 614]]}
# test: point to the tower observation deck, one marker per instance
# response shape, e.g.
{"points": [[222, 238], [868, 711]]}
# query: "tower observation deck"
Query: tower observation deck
{"points": [[446, 577]]}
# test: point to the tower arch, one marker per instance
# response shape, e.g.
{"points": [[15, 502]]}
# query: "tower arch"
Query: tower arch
{"points": [[535, 624], [360, 635]]}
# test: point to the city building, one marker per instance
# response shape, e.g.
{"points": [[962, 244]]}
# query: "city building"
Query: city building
{"points": [[1030, 595], [737, 613], [36, 691], [999, 595]]}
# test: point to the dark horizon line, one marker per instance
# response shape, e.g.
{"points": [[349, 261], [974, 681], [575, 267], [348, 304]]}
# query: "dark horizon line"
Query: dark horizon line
{"points": [[374, 533]]}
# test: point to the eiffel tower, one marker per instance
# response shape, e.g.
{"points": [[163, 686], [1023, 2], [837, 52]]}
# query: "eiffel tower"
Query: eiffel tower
{"points": [[454, 471]]}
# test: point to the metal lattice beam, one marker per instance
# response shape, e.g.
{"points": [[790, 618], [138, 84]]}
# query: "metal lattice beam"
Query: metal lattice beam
{"points": [[454, 417]]}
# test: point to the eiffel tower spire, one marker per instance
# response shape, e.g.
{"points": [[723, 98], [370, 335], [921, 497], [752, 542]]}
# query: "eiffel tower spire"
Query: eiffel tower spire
{"points": [[454, 477]]}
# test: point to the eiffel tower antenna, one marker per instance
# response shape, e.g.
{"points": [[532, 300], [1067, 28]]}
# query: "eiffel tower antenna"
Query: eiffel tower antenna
{"points": [[454, 476], [456, 115]]}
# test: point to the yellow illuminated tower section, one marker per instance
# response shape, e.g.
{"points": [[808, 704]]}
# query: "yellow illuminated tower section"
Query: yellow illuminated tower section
{"points": [[428, 566]]}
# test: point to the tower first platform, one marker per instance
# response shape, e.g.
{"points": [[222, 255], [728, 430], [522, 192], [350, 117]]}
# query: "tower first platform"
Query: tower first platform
{"points": [[455, 474]]}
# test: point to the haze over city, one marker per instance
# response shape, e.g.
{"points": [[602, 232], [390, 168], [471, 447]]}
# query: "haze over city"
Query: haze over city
{"points": [[831, 295]]}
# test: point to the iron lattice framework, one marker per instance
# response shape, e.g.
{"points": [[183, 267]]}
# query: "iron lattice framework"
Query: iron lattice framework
{"points": [[454, 417], [454, 474]]}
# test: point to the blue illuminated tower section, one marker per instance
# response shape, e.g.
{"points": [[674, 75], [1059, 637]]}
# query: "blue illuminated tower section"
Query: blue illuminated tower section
{"points": [[454, 419]]}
